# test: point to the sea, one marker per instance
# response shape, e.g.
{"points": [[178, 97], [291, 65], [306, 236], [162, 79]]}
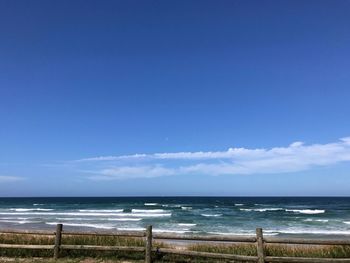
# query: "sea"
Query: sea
{"points": [[278, 216]]}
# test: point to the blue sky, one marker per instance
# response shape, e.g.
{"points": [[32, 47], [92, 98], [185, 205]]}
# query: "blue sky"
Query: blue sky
{"points": [[110, 98]]}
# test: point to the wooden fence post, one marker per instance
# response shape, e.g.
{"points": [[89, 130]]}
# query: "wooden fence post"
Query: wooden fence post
{"points": [[148, 258], [58, 238], [260, 245]]}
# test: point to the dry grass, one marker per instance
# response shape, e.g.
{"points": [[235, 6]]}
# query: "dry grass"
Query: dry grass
{"points": [[64, 260], [86, 256], [277, 250], [72, 240]]}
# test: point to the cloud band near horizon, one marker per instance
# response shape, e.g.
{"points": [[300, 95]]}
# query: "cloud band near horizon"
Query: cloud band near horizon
{"points": [[235, 161], [7, 178]]}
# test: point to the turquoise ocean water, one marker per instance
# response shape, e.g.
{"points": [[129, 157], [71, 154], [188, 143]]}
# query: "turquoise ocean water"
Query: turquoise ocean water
{"points": [[292, 216]]}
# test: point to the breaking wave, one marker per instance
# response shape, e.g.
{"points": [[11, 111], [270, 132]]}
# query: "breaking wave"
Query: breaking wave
{"points": [[102, 210], [211, 215], [147, 211], [316, 220], [29, 209], [306, 211], [91, 214], [261, 209], [99, 226]]}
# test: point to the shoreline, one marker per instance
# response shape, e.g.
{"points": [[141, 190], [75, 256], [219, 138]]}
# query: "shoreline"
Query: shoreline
{"points": [[94, 230]]}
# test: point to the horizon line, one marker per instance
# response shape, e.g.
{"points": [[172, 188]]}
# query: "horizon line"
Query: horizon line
{"points": [[169, 196]]}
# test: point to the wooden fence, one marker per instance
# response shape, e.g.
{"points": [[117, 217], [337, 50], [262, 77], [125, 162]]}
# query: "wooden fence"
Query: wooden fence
{"points": [[148, 236]]}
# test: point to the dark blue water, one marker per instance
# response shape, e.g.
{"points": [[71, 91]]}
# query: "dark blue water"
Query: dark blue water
{"points": [[187, 215]]}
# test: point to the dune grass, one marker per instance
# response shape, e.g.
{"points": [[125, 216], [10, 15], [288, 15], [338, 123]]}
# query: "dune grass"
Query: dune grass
{"points": [[277, 250], [116, 256], [71, 240], [65, 260]]}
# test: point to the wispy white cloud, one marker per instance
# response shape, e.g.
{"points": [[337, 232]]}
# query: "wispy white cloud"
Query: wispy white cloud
{"points": [[6, 178], [129, 172], [295, 157]]}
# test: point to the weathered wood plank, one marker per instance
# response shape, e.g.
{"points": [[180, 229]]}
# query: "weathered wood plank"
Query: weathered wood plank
{"points": [[25, 232], [242, 239], [306, 241], [205, 254], [306, 260], [148, 254], [116, 233], [260, 245], [103, 248], [22, 246], [58, 239]]}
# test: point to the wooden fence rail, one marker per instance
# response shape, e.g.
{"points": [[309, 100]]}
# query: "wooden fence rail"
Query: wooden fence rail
{"points": [[259, 240]]}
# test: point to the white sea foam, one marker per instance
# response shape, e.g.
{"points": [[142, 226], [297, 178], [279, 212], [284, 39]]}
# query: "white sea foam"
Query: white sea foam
{"points": [[268, 232], [100, 226], [313, 231], [241, 233], [261, 209], [186, 207], [185, 224], [91, 214], [347, 222], [12, 218], [19, 221], [173, 206], [124, 219], [78, 219], [147, 211], [131, 228], [172, 231], [29, 209], [316, 220], [37, 204], [213, 215], [306, 211], [150, 204], [94, 219], [148, 215], [230, 234], [299, 211], [102, 210], [239, 204]]}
